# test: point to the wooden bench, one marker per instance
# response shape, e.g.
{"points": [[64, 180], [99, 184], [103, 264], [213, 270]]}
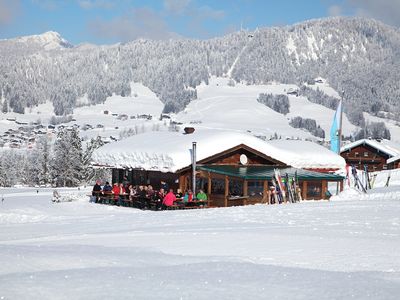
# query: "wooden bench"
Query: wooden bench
{"points": [[173, 207]]}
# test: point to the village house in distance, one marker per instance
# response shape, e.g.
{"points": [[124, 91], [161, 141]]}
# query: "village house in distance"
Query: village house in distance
{"points": [[377, 155], [232, 168]]}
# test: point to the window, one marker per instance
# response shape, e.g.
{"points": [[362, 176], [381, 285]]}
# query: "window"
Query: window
{"points": [[202, 183], [365, 154], [217, 186], [314, 189], [255, 188], [384, 167], [235, 187], [356, 154]]}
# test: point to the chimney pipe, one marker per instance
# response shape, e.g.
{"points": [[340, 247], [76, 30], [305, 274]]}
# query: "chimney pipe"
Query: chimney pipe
{"points": [[194, 168]]}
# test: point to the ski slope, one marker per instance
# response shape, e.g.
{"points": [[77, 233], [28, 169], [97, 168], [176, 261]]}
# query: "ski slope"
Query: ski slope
{"points": [[393, 126], [236, 108], [340, 249], [219, 106]]}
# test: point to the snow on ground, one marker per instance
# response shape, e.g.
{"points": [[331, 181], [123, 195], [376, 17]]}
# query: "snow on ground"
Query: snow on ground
{"points": [[236, 108], [310, 250], [393, 126], [322, 85], [376, 194], [141, 102], [301, 106], [380, 179]]}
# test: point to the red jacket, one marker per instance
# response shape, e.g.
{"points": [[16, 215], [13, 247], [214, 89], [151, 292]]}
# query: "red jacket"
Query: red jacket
{"points": [[169, 199], [118, 190]]}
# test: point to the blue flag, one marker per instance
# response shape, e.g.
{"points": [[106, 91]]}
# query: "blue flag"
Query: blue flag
{"points": [[336, 129]]}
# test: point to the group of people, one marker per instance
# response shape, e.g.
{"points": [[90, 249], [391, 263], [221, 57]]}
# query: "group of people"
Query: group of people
{"points": [[145, 197]]}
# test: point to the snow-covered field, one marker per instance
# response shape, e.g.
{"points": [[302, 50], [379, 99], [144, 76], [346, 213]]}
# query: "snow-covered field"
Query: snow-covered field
{"points": [[219, 106], [236, 108], [340, 249]]}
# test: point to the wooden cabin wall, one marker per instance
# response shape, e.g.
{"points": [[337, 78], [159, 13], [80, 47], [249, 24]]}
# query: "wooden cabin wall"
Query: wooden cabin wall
{"points": [[143, 177]]}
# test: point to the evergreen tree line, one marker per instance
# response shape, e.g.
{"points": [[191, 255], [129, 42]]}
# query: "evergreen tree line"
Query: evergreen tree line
{"points": [[62, 163], [308, 124], [279, 103], [373, 130]]}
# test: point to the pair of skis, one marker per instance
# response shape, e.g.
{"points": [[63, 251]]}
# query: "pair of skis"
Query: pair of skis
{"points": [[286, 190], [357, 182]]}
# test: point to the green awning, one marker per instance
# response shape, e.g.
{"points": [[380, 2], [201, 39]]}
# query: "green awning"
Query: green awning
{"points": [[267, 172]]}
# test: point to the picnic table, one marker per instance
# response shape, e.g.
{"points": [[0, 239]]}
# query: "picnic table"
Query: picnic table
{"points": [[191, 204], [144, 203]]}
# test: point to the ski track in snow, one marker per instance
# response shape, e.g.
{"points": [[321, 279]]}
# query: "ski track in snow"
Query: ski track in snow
{"points": [[312, 250]]}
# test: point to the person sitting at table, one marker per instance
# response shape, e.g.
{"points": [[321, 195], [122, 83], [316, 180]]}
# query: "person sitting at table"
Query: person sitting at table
{"points": [[158, 198], [188, 197], [142, 194], [96, 191], [201, 196], [169, 199], [121, 193], [179, 194], [107, 188], [164, 185], [132, 191], [150, 191], [115, 192], [126, 183]]}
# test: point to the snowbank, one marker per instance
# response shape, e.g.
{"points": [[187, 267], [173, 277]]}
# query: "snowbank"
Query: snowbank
{"points": [[377, 194]]}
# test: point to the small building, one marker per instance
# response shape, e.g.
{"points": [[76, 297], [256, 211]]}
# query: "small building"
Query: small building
{"points": [[394, 162], [232, 168], [371, 153]]}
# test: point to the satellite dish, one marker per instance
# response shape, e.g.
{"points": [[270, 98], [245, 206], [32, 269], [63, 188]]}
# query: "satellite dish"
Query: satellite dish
{"points": [[243, 159]]}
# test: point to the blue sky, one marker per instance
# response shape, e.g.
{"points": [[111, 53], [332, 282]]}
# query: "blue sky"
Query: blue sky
{"points": [[110, 21]]}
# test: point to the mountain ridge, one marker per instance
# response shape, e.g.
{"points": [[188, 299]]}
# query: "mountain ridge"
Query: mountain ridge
{"points": [[356, 55]]}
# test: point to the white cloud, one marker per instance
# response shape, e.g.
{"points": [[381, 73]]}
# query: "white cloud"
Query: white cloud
{"points": [[335, 10], [90, 4], [138, 23], [8, 10], [387, 11], [176, 6], [206, 12]]}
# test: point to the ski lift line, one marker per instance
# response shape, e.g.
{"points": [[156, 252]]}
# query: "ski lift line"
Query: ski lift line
{"points": [[229, 74]]}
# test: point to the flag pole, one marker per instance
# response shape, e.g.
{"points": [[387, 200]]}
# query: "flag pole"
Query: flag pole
{"points": [[341, 122]]}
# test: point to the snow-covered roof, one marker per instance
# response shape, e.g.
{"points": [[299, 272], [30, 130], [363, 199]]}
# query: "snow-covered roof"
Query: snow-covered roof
{"points": [[393, 159], [170, 151], [385, 146]]}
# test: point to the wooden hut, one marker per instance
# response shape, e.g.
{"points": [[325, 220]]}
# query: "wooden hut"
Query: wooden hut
{"points": [[232, 168], [371, 153]]}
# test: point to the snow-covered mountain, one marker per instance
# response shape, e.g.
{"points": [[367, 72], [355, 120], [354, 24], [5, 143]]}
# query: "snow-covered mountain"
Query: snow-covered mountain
{"points": [[50, 40], [358, 56]]}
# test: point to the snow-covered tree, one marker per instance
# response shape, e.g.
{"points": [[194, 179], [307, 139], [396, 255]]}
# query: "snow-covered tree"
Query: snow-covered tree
{"points": [[90, 174], [279, 103], [67, 161]]}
